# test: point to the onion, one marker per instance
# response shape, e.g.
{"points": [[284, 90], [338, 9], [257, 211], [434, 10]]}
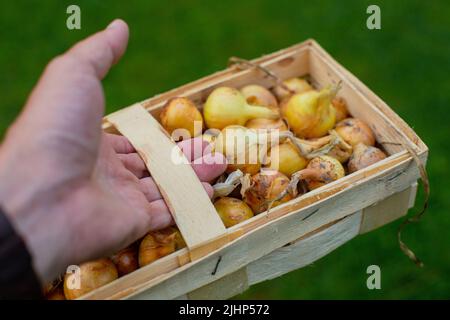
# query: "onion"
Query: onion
{"points": [[296, 85], [286, 158], [155, 245], [227, 106], [269, 124], [340, 106], [232, 211], [93, 275], [259, 96], [363, 156], [310, 114], [322, 170], [355, 131], [265, 187], [181, 113], [339, 150], [240, 146], [126, 260]]}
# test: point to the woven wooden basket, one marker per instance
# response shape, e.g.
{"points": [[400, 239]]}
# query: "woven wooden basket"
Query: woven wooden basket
{"points": [[219, 262]]}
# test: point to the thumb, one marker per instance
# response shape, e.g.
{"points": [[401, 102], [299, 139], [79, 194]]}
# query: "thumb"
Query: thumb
{"points": [[67, 105], [100, 51], [71, 82]]}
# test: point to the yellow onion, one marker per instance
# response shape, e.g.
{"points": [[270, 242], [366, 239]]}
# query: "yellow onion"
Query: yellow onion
{"points": [[126, 260], [240, 146], [227, 106], [181, 113], [340, 106], [363, 156], [156, 244], [259, 96], [232, 211], [295, 85], [322, 170], [310, 114], [265, 187], [93, 275], [286, 158], [270, 124], [355, 131]]}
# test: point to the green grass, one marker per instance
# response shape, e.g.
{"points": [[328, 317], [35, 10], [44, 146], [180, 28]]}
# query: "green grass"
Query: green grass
{"points": [[407, 63]]}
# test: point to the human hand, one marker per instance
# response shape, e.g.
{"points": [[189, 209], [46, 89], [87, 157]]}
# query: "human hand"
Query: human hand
{"points": [[70, 191]]}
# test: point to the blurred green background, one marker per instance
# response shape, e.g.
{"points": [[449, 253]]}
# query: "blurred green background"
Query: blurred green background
{"points": [[407, 63]]}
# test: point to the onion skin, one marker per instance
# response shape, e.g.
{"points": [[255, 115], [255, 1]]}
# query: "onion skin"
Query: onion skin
{"points": [[93, 275], [266, 186], [126, 260], [296, 85], [155, 245], [286, 159], [323, 170], [355, 131], [340, 106], [310, 114], [181, 113], [341, 155], [232, 211], [269, 124], [259, 96], [364, 156], [227, 106]]}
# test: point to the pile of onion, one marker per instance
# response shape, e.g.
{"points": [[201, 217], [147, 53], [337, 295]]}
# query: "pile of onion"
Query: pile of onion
{"points": [[277, 145]]}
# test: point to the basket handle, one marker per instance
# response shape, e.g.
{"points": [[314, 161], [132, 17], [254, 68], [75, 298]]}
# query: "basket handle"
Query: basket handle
{"points": [[180, 187]]}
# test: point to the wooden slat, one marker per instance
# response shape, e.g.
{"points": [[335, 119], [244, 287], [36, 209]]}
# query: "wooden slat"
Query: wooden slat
{"points": [[388, 210], [223, 288], [304, 251], [185, 196]]}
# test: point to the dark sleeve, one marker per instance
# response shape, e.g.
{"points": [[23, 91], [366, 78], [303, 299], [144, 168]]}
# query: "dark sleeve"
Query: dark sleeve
{"points": [[17, 277]]}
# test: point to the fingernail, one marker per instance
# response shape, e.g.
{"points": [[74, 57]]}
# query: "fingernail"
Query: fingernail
{"points": [[113, 24]]}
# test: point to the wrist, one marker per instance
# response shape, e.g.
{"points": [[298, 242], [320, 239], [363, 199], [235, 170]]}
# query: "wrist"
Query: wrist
{"points": [[30, 211]]}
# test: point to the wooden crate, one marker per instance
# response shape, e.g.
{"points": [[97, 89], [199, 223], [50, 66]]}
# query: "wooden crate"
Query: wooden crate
{"points": [[219, 262]]}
